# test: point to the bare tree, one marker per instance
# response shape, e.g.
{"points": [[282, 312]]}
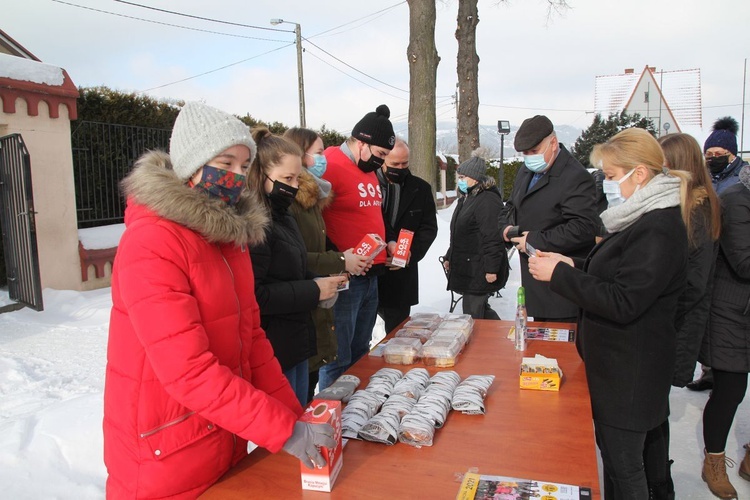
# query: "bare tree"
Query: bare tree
{"points": [[423, 61], [468, 78], [468, 71]]}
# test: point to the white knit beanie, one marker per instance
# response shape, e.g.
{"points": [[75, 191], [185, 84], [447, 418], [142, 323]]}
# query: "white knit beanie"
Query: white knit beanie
{"points": [[200, 134]]}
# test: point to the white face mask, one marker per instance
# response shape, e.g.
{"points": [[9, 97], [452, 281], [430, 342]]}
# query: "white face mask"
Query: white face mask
{"points": [[612, 190]]}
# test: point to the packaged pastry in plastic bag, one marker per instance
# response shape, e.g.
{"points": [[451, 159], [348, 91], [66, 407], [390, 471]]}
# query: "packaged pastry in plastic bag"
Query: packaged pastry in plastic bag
{"points": [[469, 395]]}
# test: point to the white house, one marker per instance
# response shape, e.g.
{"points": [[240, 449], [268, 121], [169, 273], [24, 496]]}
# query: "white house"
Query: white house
{"points": [[672, 99]]}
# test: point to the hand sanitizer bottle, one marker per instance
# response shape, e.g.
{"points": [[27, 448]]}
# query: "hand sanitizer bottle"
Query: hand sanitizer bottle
{"points": [[520, 336]]}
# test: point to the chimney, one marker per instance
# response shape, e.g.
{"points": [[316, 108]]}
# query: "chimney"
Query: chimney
{"points": [[629, 71], [652, 69]]}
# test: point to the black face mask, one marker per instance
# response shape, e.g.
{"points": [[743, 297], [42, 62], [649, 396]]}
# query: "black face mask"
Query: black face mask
{"points": [[396, 175], [370, 165], [282, 195], [717, 164]]}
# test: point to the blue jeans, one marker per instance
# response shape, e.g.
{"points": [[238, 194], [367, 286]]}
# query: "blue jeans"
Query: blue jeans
{"points": [[354, 314], [298, 378]]}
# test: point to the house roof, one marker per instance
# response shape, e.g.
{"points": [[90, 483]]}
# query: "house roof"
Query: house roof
{"points": [[14, 48], [681, 90]]}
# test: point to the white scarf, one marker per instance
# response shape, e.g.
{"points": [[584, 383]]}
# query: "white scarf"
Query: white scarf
{"points": [[663, 191]]}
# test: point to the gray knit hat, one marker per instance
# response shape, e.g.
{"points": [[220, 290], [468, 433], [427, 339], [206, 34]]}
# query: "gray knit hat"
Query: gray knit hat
{"points": [[475, 167], [200, 133]]}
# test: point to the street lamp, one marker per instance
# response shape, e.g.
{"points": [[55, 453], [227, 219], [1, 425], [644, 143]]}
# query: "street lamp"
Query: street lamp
{"points": [[503, 128], [300, 78]]}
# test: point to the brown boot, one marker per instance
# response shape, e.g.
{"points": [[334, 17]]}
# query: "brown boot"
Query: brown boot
{"points": [[715, 475], [745, 464]]}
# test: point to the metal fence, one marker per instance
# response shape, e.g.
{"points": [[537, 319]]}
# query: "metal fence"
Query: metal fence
{"points": [[103, 154]]}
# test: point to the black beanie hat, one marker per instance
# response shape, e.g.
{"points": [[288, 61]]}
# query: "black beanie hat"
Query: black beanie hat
{"points": [[724, 135], [376, 129]]}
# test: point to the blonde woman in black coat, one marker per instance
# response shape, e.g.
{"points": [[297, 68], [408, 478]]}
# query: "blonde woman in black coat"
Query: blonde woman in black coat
{"points": [[628, 290]]}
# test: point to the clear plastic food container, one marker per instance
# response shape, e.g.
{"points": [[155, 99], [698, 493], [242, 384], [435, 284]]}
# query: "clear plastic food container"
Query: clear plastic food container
{"points": [[415, 333], [441, 352], [402, 351]]}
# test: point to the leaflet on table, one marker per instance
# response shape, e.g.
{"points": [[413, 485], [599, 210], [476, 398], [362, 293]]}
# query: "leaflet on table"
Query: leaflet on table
{"points": [[476, 486], [543, 333]]}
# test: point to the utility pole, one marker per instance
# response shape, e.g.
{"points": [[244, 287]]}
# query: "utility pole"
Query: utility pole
{"points": [[301, 80], [300, 77]]}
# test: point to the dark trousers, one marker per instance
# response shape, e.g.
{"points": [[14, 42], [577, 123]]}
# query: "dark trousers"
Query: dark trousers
{"points": [[478, 306], [622, 458], [393, 316], [657, 464], [718, 415]]}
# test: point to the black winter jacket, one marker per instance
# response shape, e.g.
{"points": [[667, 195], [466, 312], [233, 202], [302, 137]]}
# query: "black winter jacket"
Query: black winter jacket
{"points": [[628, 288], [285, 291], [476, 243], [417, 213], [726, 344], [693, 307], [560, 213]]}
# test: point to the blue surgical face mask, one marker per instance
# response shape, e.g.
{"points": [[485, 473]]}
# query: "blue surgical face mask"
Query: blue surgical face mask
{"points": [[612, 190], [319, 167], [536, 162], [462, 185]]}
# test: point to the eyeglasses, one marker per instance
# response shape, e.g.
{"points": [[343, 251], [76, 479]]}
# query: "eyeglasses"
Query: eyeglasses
{"points": [[714, 155]]}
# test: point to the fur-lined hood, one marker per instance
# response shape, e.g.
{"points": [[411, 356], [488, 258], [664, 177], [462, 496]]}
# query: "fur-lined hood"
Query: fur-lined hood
{"points": [[309, 193], [153, 184]]}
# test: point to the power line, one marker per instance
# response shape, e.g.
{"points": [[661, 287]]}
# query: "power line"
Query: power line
{"points": [[214, 70], [355, 69], [166, 24], [356, 79], [359, 19], [203, 18]]}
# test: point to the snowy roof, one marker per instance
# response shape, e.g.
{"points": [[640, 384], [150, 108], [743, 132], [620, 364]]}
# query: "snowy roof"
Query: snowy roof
{"points": [[681, 90], [26, 70]]}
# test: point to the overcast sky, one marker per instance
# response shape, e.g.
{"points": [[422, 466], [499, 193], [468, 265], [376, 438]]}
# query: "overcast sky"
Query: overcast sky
{"points": [[529, 63]]}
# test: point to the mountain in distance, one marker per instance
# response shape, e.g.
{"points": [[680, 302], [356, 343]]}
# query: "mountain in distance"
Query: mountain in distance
{"points": [[447, 142]]}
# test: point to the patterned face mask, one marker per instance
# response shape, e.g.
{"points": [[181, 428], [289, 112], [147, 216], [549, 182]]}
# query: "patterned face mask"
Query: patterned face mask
{"points": [[223, 184]]}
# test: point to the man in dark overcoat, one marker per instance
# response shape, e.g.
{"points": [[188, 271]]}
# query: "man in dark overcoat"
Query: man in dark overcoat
{"points": [[552, 208], [408, 203]]}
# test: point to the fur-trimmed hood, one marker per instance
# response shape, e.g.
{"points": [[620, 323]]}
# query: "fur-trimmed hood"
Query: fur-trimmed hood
{"points": [[309, 193], [153, 184]]}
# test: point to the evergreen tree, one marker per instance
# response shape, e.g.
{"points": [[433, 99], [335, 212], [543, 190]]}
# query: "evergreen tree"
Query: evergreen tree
{"points": [[601, 130]]}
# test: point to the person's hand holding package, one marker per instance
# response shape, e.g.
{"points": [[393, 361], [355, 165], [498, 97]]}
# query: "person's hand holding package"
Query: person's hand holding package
{"points": [[305, 441], [543, 264]]}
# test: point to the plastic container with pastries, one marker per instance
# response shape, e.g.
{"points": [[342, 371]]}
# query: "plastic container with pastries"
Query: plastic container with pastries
{"points": [[402, 351], [441, 352]]}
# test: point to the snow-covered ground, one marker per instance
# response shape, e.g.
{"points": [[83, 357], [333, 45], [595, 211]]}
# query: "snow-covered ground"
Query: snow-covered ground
{"points": [[52, 379]]}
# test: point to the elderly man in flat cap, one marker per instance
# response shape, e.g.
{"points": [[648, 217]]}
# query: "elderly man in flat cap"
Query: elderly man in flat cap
{"points": [[552, 208]]}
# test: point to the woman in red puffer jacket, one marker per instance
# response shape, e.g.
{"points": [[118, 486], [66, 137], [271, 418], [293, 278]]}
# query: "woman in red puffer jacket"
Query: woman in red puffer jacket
{"points": [[190, 374]]}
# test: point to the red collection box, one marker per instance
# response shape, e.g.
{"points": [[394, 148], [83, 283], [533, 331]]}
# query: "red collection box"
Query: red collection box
{"points": [[403, 246], [370, 246], [324, 412]]}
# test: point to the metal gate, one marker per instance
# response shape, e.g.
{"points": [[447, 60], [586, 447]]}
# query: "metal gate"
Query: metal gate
{"points": [[19, 223]]}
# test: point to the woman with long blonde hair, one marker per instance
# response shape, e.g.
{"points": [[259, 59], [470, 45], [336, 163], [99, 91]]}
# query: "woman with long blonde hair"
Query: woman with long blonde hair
{"points": [[628, 289]]}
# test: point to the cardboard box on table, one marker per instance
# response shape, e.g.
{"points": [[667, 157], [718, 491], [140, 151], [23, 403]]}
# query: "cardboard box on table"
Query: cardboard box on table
{"points": [[324, 412]]}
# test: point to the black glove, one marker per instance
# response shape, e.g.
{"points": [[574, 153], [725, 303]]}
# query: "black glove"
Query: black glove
{"points": [[305, 441]]}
